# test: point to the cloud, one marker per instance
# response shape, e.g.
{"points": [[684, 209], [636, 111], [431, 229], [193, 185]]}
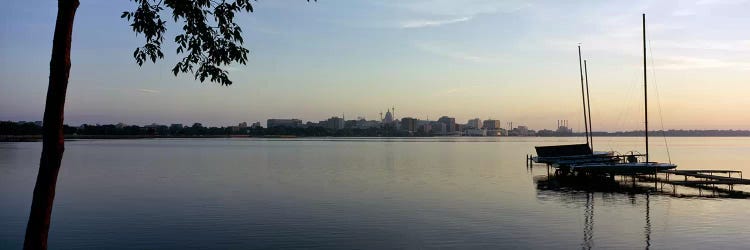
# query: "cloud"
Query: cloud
{"points": [[611, 44], [149, 91], [447, 92], [683, 12], [714, 2], [437, 49], [725, 45], [704, 6], [466, 90], [460, 8], [451, 11], [685, 63], [433, 23], [670, 54]]}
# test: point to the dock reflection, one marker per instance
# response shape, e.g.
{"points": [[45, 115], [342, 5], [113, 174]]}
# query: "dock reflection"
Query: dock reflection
{"points": [[582, 191], [633, 184], [588, 225], [573, 190]]}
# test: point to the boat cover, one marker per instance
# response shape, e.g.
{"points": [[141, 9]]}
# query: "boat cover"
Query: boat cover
{"points": [[563, 150]]}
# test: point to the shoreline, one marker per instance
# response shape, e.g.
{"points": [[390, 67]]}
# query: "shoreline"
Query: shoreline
{"points": [[38, 138]]}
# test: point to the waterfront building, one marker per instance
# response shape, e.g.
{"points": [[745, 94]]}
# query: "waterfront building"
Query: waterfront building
{"points": [[388, 117], [475, 123], [350, 124], [562, 128], [409, 124], [334, 123], [491, 124], [438, 128], [450, 124], [425, 128], [476, 132], [521, 131], [241, 127], [365, 124], [292, 123], [546, 132]]}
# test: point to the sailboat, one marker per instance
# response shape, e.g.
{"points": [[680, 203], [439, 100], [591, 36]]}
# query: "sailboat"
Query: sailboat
{"points": [[562, 156], [631, 165]]}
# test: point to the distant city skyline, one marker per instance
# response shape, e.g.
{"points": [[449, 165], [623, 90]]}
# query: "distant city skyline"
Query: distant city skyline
{"points": [[510, 61], [561, 126], [334, 126]]}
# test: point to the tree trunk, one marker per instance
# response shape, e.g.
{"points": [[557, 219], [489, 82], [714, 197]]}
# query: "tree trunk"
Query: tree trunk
{"points": [[53, 141]]}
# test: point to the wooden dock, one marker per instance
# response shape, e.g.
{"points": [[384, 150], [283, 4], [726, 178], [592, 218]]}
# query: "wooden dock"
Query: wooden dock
{"points": [[707, 174], [712, 180], [697, 179], [705, 179]]}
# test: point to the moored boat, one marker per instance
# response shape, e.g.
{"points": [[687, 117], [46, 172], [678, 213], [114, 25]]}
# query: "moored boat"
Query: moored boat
{"points": [[629, 165]]}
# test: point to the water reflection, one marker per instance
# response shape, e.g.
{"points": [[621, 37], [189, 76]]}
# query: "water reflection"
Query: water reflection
{"points": [[637, 190], [577, 184], [647, 228], [588, 226], [328, 194], [583, 195]]}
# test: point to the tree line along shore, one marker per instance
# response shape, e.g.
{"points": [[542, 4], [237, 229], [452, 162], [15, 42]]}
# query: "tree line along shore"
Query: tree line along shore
{"points": [[14, 131]]}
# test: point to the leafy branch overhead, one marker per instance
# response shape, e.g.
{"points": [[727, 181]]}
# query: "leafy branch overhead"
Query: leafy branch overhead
{"points": [[210, 37]]}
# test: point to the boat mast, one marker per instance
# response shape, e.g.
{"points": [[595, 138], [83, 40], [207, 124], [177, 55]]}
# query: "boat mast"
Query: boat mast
{"points": [[583, 98], [645, 86], [588, 101]]}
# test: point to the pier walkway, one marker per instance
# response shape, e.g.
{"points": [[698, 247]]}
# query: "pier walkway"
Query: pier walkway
{"points": [[714, 180]]}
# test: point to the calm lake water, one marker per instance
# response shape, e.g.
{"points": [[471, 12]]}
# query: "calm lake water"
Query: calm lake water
{"points": [[359, 193]]}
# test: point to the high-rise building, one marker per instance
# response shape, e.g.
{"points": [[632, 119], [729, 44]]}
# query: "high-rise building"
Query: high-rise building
{"points": [[491, 124], [474, 123], [425, 128], [335, 123], [438, 128], [292, 123], [492, 127], [409, 124], [523, 130], [450, 123]]}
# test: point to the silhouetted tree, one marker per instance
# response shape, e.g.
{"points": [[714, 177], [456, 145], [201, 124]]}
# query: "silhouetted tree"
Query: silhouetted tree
{"points": [[210, 39]]}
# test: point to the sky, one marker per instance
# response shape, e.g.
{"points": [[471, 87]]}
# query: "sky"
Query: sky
{"points": [[514, 61]]}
